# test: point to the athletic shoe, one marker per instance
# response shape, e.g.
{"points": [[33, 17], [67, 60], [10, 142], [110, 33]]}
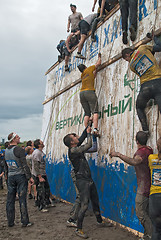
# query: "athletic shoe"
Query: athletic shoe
{"points": [[71, 223], [79, 55], [66, 68], [81, 234], [124, 38], [27, 225], [44, 210], [96, 133], [53, 204], [11, 225], [30, 196], [133, 33], [104, 224]]}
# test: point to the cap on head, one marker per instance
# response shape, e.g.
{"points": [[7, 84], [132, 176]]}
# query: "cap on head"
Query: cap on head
{"points": [[11, 136], [72, 5]]}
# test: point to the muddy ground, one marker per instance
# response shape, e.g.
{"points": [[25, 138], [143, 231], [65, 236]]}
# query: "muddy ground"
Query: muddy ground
{"points": [[52, 225]]}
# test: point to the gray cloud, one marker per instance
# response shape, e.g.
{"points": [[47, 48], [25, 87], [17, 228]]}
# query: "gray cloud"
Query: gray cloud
{"points": [[30, 32]]}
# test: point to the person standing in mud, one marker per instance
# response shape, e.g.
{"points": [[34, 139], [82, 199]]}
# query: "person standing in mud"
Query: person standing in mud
{"points": [[42, 185], [72, 221], [18, 175], [140, 162], [84, 182]]}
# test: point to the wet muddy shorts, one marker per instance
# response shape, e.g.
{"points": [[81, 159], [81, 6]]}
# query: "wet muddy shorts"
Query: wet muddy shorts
{"points": [[89, 102], [84, 27], [65, 51]]}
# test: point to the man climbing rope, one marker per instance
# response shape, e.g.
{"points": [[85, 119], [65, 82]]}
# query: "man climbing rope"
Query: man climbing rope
{"points": [[84, 181], [88, 96], [143, 63], [140, 162]]}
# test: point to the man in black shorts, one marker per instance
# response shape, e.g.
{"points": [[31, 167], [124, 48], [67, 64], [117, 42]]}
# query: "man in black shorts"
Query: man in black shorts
{"points": [[84, 26], [65, 48]]}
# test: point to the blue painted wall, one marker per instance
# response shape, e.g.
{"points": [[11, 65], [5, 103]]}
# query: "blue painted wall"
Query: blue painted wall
{"points": [[116, 188]]}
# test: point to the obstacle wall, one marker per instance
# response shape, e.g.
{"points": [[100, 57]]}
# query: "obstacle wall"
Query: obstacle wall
{"points": [[117, 88]]}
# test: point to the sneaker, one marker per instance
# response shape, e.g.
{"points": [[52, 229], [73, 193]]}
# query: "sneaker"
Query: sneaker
{"points": [[132, 33], [43, 210], [81, 234], [11, 225], [27, 225], [104, 224], [53, 204], [124, 38], [50, 205], [30, 196], [79, 55], [96, 133], [71, 223], [66, 68]]}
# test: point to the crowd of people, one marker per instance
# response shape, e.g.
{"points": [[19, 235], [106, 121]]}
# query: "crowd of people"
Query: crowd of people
{"points": [[79, 28], [24, 168], [147, 165]]}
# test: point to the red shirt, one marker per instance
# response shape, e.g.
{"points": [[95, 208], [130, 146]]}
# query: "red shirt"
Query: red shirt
{"points": [[143, 171]]}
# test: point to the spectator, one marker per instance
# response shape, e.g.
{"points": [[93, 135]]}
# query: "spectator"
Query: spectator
{"points": [[29, 150], [42, 185], [1, 167], [18, 176]]}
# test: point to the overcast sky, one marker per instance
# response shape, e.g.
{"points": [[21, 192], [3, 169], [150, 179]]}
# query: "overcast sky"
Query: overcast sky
{"points": [[29, 33]]}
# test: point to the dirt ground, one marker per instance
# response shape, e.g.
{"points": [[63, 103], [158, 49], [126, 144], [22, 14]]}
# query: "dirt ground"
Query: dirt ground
{"points": [[52, 225]]}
